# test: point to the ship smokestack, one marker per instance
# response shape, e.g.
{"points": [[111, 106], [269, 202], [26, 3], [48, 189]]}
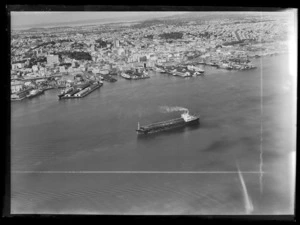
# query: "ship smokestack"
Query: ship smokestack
{"points": [[185, 115], [187, 112]]}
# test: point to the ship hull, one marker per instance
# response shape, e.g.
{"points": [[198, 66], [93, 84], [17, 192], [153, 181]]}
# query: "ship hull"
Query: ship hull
{"points": [[167, 125]]}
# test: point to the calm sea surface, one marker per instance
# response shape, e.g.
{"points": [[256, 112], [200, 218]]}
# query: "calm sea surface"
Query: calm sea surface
{"points": [[75, 141]]}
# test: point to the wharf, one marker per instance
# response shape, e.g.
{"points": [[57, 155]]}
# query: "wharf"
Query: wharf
{"points": [[82, 93]]}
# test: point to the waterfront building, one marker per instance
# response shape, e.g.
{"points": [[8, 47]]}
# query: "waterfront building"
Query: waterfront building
{"points": [[16, 87], [15, 66], [107, 66], [95, 70], [75, 64], [62, 69], [70, 70], [35, 68], [92, 48], [121, 51], [39, 81]]}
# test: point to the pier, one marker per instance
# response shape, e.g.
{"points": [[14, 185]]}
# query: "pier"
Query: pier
{"points": [[81, 92]]}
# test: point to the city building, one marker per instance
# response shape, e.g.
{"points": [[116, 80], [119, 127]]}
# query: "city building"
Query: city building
{"points": [[16, 87], [116, 43], [52, 59]]}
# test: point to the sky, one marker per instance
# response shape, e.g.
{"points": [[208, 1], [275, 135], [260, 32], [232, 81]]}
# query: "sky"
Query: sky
{"points": [[38, 19]]}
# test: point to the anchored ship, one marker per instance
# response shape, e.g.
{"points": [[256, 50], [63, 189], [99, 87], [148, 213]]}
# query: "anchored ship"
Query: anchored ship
{"points": [[185, 120], [134, 76]]}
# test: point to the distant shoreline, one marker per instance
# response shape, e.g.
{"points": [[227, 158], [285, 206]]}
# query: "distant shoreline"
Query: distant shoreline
{"points": [[62, 25], [84, 23]]}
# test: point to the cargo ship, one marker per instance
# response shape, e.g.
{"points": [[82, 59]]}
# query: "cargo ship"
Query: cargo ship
{"points": [[185, 120]]}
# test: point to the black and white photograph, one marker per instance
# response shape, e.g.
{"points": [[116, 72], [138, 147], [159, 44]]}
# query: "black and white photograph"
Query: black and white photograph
{"points": [[153, 112]]}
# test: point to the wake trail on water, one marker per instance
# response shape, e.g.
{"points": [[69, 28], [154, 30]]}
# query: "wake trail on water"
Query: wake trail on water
{"points": [[247, 199]]}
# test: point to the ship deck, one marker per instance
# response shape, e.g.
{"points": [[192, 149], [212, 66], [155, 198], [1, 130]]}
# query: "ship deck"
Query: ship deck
{"points": [[163, 123]]}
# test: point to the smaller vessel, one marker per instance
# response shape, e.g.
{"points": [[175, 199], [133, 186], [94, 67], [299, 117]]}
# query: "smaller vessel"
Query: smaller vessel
{"points": [[65, 91], [135, 76], [126, 76], [48, 88], [159, 70], [15, 97], [35, 92], [113, 74]]}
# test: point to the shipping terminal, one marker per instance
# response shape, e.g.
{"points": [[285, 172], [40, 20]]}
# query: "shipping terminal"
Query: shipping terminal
{"points": [[185, 120]]}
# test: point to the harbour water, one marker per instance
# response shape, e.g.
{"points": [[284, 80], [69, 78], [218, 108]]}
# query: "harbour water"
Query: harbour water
{"points": [[84, 156]]}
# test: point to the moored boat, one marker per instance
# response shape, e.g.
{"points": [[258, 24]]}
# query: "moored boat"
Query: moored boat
{"points": [[35, 92]]}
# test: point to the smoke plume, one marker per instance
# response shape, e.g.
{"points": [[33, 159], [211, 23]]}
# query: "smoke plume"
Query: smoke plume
{"points": [[167, 109]]}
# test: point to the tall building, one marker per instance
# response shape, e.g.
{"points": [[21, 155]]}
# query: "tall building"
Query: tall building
{"points": [[92, 48], [121, 51], [52, 59], [116, 43]]}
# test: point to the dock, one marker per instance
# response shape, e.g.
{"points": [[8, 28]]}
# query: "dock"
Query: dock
{"points": [[82, 91]]}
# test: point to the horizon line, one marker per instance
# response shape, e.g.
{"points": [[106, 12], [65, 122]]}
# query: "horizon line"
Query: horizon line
{"points": [[136, 172], [104, 20]]}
